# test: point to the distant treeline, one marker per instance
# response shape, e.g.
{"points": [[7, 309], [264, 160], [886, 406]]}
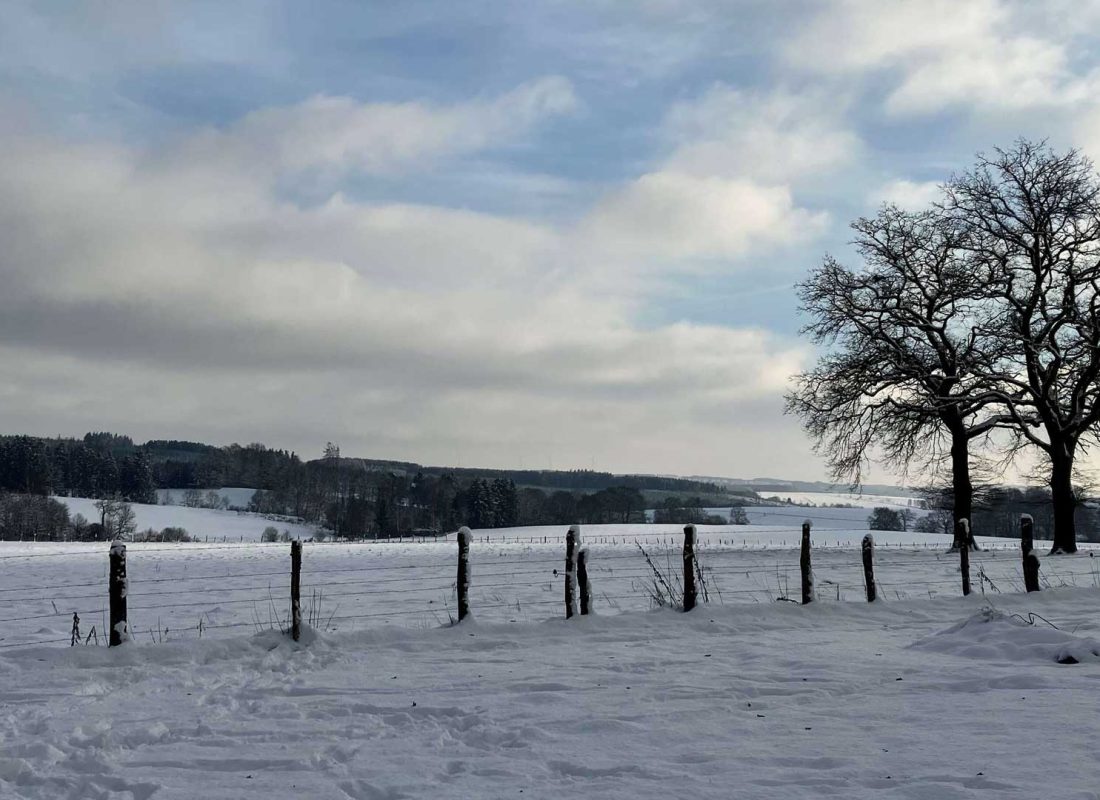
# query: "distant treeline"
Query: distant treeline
{"points": [[573, 479], [100, 465], [997, 511], [352, 497]]}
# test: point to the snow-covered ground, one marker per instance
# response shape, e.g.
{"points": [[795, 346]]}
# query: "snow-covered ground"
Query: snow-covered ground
{"points": [[923, 698], [850, 498], [822, 518], [820, 513], [213, 590], [211, 525], [204, 524]]}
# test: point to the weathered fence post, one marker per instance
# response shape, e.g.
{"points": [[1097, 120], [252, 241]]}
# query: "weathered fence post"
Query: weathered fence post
{"points": [[689, 567], [807, 568], [958, 541], [582, 576], [1027, 552], [571, 570], [116, 588], [295, 589], [869, 566], [962, 534], [463, 583]]}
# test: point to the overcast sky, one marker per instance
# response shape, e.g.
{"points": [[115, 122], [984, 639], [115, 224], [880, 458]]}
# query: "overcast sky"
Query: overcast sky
{"points": [[547, 234]]}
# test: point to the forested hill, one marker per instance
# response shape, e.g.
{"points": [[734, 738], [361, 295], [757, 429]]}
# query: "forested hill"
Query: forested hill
{"points": [[103, 463], [570, 480]]}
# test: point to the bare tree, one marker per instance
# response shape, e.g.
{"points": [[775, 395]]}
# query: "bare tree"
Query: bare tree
{"points": [[1032, 222], [116, 517], [906, 372]]}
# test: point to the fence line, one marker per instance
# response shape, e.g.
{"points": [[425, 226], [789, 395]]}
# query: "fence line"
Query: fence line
{"points": [[646, 569]]}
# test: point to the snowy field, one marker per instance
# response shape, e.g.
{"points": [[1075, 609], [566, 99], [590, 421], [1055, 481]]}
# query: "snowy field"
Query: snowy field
{"points": [[822, 518], [922, 698], [197, 591], [204, 524], [851, 498], [218, 526]]}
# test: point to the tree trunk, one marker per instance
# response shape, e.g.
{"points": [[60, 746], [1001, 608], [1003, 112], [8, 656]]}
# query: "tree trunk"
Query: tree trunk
{"points": [[962, 489], [1064, 499]]}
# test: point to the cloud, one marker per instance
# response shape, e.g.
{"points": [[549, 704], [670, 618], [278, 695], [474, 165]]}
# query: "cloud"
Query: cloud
{"points": [[338, 134], [1086, 132], [777, 136], [910, 195], [177, 286], [724, 190], [678, 217], [986, 54]]}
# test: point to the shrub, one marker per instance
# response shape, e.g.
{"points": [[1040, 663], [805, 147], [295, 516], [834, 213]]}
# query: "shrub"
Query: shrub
{"points": [[885, 519], [173, 534], [738, 516]]}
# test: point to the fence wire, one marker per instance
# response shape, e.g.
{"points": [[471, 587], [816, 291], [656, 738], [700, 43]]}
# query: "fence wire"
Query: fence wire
{"points": [[344, 587]]}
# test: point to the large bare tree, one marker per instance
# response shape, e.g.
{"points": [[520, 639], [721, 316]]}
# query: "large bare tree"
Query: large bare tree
{"points": [[1031, 218], [905, 368]]}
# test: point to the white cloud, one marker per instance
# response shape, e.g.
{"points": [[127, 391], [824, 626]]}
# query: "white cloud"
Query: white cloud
{"points": [[725, 189], [1086, 132], [859, 34], [946, 53], [911, 195], [338, 134], [1019, 72], [772, 137], [671, 216]]}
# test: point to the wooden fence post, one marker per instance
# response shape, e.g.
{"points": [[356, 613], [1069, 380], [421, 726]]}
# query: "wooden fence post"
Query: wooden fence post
{"points": [[956, 542], [295, 589], [582, 576], [571, 570], [869, 566], [962, 534], [689, 567], [1027, 552], [116, 588], [807, 568], [463, 583]]}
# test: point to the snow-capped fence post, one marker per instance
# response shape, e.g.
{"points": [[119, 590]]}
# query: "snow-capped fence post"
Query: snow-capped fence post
{"points": [[689, 567], [962, 534], [869, 566], [463, 582], [571, 570], [582, 577], [116, 589], [1027, 552], [295, 589], [807, 568]]}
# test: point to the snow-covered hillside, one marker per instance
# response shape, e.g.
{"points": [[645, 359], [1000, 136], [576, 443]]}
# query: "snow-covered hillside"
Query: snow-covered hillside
{"points": [[849, 498], [202, 523], [820, 512], [822, 518], [793, 516]]}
